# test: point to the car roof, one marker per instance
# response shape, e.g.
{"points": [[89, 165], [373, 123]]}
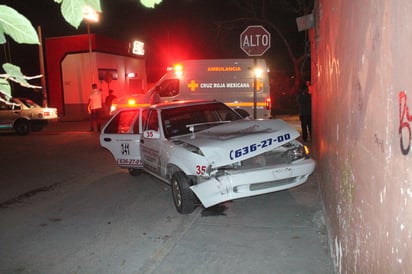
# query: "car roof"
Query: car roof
{"points": [[175, 104]]}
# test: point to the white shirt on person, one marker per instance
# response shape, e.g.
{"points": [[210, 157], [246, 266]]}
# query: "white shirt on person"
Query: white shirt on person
{"points": [[95, 99]]}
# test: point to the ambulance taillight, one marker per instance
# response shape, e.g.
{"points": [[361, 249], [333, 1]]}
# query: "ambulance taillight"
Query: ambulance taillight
{"points": [[268, 103]]}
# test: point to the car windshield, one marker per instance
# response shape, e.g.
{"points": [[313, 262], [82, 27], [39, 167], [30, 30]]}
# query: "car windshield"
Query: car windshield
{"points": [[181, 120]]}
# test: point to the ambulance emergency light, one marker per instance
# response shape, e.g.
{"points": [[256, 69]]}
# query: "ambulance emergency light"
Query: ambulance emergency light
{"points": [[178, 70], [131, 102]]}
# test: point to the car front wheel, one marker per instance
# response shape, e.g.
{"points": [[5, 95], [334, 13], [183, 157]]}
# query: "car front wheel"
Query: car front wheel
{"points": [[22, 127], [183, 196], [134, 171]]}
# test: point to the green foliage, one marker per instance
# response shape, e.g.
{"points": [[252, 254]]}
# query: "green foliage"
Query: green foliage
{"points": [[16, 26], [5, 87], [19, 28], [72, 10], [150, 3], [14, 73]]}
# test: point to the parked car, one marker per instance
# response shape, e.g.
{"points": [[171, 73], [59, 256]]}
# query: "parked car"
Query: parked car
{"points": [[24, 115], [206, 151]]}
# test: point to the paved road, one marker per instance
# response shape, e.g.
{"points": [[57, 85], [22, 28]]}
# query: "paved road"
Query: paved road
{"points": [[66, 208]]}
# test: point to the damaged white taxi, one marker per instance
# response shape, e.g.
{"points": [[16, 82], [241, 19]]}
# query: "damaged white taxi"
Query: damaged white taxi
{"points": [[207, 152]]}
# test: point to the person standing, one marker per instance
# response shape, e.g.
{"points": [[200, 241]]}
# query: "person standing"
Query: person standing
{"points": [[94, 107], [108, 101], [305, 111]]}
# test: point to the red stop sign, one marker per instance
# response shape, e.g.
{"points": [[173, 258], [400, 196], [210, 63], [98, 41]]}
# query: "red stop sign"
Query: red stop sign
{"points": [[255, 40]]}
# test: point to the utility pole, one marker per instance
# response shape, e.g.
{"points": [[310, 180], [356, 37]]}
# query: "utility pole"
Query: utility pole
{"points": [[42, 71], [90, 16]]}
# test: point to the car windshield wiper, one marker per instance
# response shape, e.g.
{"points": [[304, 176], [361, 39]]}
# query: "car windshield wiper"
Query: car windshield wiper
{"points": [[192, 127]]}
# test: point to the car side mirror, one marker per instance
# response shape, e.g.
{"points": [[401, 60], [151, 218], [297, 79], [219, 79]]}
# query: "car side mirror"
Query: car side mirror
{"points": [[151, 134]]}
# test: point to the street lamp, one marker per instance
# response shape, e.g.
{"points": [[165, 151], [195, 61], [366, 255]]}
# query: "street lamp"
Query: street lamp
{"points": [[90, 16]]}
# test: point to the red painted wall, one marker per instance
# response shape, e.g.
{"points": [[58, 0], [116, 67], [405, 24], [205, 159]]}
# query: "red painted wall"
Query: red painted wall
{"points": [[57, 47]]}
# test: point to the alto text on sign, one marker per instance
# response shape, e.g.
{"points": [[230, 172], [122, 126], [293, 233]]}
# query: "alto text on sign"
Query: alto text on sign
{"points": [[255, 40]]}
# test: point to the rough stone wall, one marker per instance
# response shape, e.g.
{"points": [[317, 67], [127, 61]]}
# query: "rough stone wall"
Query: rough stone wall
{"points": [[362, 74]]}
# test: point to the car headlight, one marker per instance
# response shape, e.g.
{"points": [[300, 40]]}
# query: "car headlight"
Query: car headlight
{"points": [[193, 149], [298, 152]]}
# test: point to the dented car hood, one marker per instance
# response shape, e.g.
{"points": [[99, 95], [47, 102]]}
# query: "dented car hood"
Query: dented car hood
{"points": [[240, 140]]}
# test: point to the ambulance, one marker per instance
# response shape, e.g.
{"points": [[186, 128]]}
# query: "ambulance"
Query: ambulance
{"points": [[242, 84]]}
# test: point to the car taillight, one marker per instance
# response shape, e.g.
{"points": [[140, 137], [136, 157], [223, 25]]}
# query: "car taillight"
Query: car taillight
{"points": [[268, 103]]}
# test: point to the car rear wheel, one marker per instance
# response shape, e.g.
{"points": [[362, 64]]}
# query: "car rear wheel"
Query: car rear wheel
{"points": [[183, 197], [22, 127], [134, 171]]}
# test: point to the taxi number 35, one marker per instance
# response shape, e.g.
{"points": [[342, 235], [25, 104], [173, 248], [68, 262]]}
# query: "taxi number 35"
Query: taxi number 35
{"points": [[200, 170], [236, 153]]}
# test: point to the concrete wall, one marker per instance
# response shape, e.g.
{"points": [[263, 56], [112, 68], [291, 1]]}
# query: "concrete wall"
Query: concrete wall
{"points": [[362, 73]]}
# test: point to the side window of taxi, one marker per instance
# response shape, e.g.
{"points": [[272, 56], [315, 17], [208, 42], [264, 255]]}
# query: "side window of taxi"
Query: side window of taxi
{"points": [[124, 122], [152, 122]]}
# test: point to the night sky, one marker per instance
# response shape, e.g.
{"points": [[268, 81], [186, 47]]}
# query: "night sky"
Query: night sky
{"points": [[174, 30]]}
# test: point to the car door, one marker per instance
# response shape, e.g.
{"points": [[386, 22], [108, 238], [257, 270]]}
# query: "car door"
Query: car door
{"points": [[121, 136], [8, 113], [150, 142]]}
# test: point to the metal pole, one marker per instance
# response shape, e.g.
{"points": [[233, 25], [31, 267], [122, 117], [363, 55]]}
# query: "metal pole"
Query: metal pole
{"points": [[42, 71], [90, 52], [254, 88]]}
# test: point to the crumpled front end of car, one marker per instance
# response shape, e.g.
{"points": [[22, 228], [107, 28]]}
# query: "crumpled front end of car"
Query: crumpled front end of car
{"points": [[282, 168]]}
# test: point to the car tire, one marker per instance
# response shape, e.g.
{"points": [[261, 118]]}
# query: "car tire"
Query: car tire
{"points": [[134, 171], [22, 127], [183, 197]]}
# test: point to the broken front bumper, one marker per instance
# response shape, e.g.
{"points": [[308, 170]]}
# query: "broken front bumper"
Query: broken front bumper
{"points": [[237, 184]]}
